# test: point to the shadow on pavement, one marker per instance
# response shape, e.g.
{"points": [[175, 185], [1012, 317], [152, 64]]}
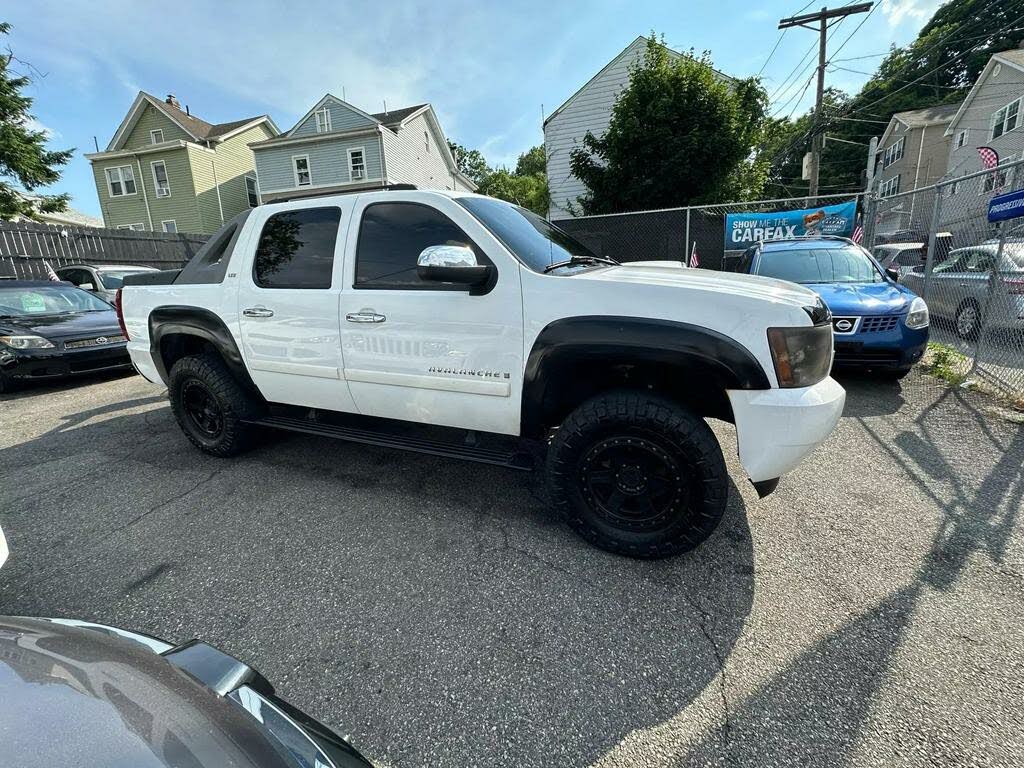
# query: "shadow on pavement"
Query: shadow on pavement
{"points": [[433, 608], [813, 711], [870, 395]]}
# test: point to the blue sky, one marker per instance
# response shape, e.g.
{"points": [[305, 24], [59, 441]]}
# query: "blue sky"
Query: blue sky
{"points": [[488, 69]]}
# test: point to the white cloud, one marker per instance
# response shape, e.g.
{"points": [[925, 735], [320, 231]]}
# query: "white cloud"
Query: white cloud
{"points": [[35, 125], [918, 11]]}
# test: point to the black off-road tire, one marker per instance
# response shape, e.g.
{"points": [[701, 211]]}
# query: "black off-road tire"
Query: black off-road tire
{"points": [[205, 378], [641, 439]]}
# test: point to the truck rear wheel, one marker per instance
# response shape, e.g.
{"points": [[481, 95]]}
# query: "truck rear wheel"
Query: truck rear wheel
{"points": [[637, 475], [210, 406]]}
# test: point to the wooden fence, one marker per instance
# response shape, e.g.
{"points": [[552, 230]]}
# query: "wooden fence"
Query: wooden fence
{"points": [[24, 246]]}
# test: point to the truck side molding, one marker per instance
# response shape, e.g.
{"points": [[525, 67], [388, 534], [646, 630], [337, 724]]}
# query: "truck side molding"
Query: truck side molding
{"points": [[171, 321], [565, 350]]}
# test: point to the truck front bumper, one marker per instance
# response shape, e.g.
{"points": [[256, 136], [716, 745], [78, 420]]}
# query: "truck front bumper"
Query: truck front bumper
{"points": [[777, 428]]}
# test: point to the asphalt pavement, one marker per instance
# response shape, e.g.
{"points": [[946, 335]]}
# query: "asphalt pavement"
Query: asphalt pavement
{"points": [[869, 613]]}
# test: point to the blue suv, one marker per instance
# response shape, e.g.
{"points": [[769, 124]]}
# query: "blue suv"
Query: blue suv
{"points": [[878, 324]]}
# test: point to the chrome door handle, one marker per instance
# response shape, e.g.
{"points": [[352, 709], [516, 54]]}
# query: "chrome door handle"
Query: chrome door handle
{"points": [[258, 312], [365, 317]]}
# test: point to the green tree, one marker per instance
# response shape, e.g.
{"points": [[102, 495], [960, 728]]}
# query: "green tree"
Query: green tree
{"points": [[532, 162], [530, 191], [471, 163], [25, 161], [679, 134]]}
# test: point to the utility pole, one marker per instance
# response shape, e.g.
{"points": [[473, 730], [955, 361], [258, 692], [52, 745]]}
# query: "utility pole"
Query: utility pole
{"points": [[823, 19]]}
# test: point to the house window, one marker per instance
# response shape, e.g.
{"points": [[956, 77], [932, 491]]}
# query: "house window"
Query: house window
{"points": [[961, 139], [890, 187], [251, 191], [323, 120], [426, 140], [156, 136], [893, 153], [169, 225], [953, 189], [995, 180], [1005, 119], [160, 182], [356, 164], [121, 181], [303, 178], [140, 227]]}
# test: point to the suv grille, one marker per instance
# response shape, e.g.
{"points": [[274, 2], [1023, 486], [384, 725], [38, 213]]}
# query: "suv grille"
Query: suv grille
{"points": [[98, 341], [879, 323]]}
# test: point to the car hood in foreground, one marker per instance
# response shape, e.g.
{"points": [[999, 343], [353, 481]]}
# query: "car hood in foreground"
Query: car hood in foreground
{"points": [[75, 324], [864, 298], [71, 695]]}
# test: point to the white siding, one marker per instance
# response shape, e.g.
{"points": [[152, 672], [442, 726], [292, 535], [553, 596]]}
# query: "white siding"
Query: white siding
{"points": [[408, 161], [328, 162]]}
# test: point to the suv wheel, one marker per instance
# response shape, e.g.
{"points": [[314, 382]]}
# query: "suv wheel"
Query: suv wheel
{"points": [[210, 406], [637, 475], [968, 320]]}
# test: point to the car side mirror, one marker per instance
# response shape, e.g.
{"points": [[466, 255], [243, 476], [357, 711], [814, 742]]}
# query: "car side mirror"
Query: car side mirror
{"points": [[87, 286], [452, 264], [893, 273]]}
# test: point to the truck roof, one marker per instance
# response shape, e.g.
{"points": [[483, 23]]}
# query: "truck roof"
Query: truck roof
{"points": [[802, 243]]}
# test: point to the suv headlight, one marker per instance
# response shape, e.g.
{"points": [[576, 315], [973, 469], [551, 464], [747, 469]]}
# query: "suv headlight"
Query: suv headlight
{"points": [[917, 317], [26, 342], [802, 356]]}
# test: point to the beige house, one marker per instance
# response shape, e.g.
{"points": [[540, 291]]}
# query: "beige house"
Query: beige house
{"points": [[912, 154], [168, 170]]}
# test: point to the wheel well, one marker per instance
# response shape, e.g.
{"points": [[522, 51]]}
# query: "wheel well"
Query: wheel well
{"points": [[696, 384], [175, 346]]}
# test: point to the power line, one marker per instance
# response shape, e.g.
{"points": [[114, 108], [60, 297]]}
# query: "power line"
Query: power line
{"points": [[782, 34], [874, 8]]}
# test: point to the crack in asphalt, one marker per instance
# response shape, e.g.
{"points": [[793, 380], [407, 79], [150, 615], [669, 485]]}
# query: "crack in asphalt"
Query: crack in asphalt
{"points": [[172, 500], [720, 661]]}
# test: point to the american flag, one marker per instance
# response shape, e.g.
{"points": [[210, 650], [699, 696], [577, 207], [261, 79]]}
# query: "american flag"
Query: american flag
{"points": [[49, 272], [989, 158], [858, 233], [694, 259]]}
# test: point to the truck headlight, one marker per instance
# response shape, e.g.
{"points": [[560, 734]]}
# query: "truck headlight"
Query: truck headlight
{"points": [[802, 356], [26, 342], [917, 317]]}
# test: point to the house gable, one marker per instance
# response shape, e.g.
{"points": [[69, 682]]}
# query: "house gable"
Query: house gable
{"points": [[150, 119], [979, 85], [343, 117]]}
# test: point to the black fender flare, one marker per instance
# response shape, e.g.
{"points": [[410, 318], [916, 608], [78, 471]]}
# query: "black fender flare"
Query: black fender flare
{"points": [[201, 323], [630, 340]]}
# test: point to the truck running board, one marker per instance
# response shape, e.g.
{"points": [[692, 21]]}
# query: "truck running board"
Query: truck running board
{"points": [[512, 458]]}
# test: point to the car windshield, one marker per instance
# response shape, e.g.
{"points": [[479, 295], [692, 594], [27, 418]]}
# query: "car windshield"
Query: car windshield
{"points": [[113, 279], [47, 300], [534, 241], [837, 264]]}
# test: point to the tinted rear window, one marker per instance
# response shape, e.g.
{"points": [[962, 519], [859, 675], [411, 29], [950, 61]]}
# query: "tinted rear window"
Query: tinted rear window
{"points": [[296, 249]]}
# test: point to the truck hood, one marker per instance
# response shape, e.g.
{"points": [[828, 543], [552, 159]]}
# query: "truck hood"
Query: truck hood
{"points": [[671, 275], [864, 298]]}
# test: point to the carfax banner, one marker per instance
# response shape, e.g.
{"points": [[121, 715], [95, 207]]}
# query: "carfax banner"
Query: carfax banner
{"points": [[745, 229]]}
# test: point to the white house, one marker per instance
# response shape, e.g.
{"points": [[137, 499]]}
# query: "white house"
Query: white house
{"points": [[589, 109]]}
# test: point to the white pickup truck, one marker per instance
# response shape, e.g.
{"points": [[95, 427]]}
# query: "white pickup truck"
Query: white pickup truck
{"points": [[465, 326]]}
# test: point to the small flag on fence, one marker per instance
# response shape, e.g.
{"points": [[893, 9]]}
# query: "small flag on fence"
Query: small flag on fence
{"points": [[989, 158], [694, 259], [49, 272], [858, 233]]}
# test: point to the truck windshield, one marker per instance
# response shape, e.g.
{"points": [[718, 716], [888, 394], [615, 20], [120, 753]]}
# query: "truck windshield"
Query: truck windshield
{"points": [[534, 241], [843, 264]]}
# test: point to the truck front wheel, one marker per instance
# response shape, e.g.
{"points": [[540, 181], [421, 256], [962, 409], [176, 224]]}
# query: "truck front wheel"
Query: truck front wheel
{"points": [[210, 406], [637, 475]]}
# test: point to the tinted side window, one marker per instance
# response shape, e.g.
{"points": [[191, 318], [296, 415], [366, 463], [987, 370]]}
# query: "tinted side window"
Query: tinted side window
{"points": [[296, 249], [391, 238]]}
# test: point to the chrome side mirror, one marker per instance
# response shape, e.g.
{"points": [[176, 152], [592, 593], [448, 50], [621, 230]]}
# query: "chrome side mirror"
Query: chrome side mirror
{"points": [[87, 286], [893, 273], [452, 264]]}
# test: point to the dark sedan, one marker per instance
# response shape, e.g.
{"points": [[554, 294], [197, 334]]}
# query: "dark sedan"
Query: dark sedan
{"points": [[51, 330]]}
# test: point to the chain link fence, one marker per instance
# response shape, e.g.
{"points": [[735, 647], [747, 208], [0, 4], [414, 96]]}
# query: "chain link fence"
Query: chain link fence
{"points": [[969, 271]]}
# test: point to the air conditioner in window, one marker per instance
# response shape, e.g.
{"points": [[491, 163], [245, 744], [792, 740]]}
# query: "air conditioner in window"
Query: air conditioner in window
{"points": [[357, 173]]}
